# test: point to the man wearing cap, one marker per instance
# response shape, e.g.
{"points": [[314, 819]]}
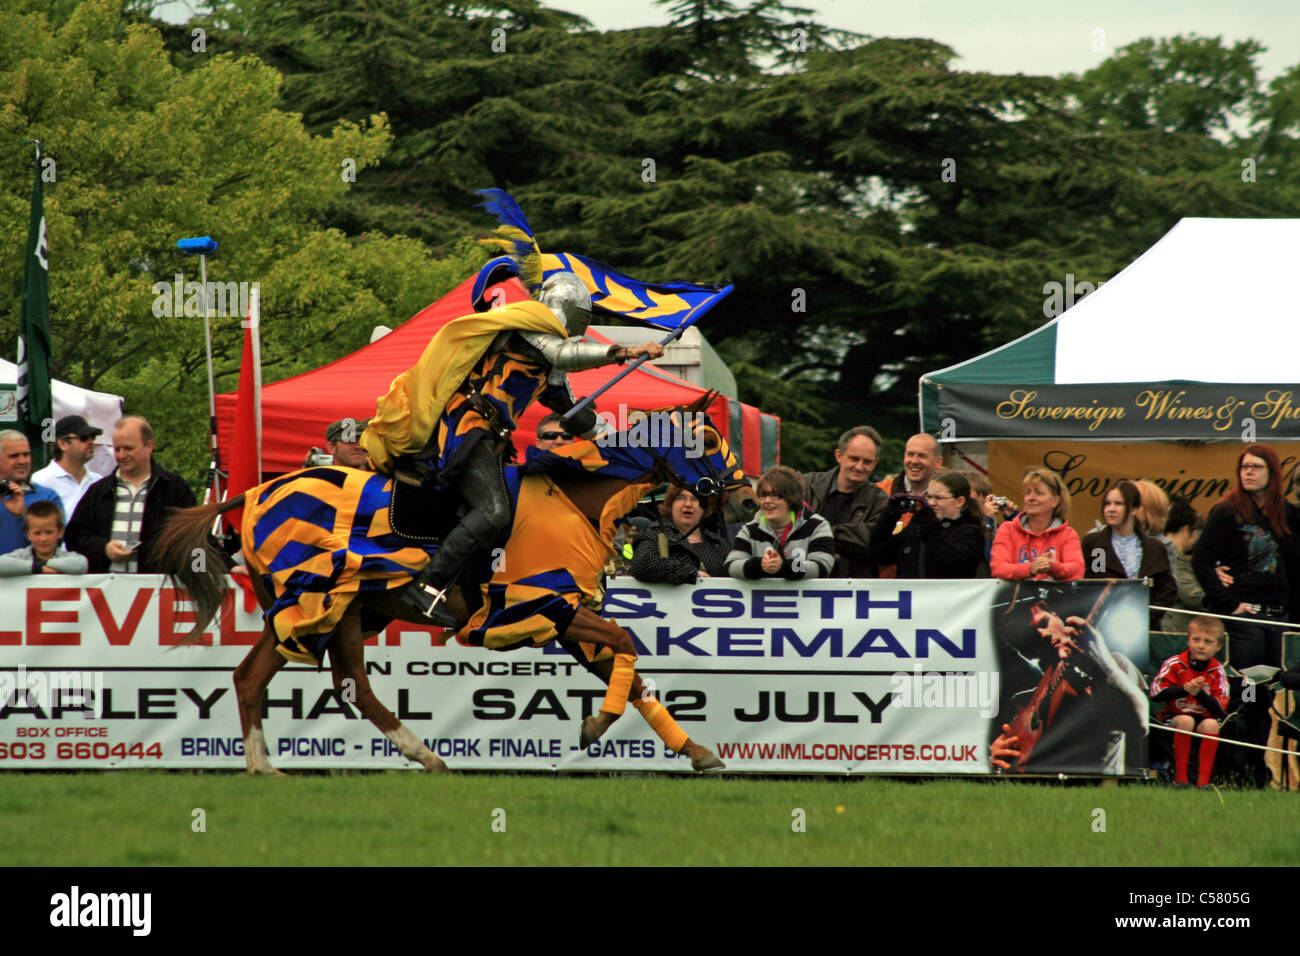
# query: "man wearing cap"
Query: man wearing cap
{"points": [[73, 450], [16, 490], [343, 442]]}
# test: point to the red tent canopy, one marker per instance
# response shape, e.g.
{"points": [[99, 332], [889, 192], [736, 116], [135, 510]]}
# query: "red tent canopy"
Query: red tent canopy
{"points": [[295, 411]]}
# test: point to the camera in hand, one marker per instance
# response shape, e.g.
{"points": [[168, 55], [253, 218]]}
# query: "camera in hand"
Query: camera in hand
{"points": [[7, 488], [317, 458], [912, 503]]}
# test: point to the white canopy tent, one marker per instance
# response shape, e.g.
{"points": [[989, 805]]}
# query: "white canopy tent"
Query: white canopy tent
{"points": [[1214, 302]]}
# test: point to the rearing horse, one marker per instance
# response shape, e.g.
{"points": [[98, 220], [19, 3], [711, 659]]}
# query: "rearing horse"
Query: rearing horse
{"points": [[328, 569]]}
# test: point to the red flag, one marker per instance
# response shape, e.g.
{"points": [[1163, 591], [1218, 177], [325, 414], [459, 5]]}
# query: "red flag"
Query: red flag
{"points": [[246, 455]]}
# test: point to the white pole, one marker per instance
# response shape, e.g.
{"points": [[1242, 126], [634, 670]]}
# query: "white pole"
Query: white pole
{"points": [[212, 391], [255, 323]]}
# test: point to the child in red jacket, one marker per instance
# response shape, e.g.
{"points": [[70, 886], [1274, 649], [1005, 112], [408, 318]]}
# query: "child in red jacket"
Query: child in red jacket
{"points": [[1194, 687]]}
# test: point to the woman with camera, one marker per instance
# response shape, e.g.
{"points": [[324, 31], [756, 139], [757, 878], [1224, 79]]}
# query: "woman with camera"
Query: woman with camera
{"points": [[995, 509], [945, 535]]}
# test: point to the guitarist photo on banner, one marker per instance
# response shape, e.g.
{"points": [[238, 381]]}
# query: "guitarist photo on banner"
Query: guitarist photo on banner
{"points": [[1073, 698]]}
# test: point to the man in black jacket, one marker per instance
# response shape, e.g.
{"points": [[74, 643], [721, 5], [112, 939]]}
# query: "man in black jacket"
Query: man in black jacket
{"points": [[851, 503], [120, 516], [922, 460]]}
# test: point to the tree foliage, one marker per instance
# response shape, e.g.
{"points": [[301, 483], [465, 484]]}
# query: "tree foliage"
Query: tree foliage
{"points": [[146, 153], [880, 213]]}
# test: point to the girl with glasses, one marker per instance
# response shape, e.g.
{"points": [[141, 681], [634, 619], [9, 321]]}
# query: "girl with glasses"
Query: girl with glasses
{"points": [[1251, 533], [786, 539], [949, 538]]}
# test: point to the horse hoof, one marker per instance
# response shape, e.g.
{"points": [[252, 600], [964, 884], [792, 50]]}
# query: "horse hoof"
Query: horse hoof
{"points": [[705, 761], [433, 764], [592, 730], [267, 771]]}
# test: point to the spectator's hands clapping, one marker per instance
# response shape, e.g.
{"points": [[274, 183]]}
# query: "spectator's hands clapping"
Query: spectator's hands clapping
{"points": [[1043, 563], [772, 561], [1195, 685]]}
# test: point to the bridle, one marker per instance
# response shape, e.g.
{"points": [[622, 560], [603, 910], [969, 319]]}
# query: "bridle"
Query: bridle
{"points": [[706, 486]]}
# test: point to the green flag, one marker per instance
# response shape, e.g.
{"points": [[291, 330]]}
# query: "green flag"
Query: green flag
{"points": [[35, 403]]}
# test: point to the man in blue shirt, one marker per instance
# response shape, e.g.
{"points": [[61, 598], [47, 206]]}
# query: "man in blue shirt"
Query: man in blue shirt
{"points": [[16, 490]]}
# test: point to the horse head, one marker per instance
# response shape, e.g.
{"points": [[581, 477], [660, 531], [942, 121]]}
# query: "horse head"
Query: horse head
{"points": [[684, 447], [677, 444]]}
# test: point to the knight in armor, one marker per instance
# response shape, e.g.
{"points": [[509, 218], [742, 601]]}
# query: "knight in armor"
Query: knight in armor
{"points": [[450, 418]]}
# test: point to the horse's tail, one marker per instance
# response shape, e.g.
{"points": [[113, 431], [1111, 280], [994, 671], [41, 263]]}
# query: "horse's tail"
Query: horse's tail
{"points": [[184, 551]]}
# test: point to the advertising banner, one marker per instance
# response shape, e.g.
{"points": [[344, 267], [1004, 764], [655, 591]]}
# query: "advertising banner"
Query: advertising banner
{"points": [[792, 677], [1116, 411]]}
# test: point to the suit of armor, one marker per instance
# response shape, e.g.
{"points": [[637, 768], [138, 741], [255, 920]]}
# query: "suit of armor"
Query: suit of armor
{"points": [[472, 434]]}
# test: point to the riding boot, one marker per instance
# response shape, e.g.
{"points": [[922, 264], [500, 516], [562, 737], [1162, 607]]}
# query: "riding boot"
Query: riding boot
{"points": [[428, 592]]}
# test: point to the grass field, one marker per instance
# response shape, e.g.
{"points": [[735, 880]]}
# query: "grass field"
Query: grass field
{"points": [[144, 819]]}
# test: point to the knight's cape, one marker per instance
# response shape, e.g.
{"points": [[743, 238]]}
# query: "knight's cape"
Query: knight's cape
{"points": [[406, 417]]}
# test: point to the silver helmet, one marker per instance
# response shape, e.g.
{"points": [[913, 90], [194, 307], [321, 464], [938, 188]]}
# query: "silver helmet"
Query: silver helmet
{"points": [[566, 296]]}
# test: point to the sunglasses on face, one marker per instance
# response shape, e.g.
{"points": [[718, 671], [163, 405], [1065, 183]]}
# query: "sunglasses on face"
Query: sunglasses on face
{"points": [[554, 436]]}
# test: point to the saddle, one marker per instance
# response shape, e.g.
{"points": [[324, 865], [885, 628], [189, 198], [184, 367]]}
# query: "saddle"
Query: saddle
{"points": [[419, 509]]}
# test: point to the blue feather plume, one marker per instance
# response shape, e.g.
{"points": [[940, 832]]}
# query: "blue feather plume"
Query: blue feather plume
{"points": [[515, 237], [507, 212]]}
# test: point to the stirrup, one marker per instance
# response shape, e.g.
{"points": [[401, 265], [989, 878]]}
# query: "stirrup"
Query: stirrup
{"points": [[430, 602], [436, 596]]}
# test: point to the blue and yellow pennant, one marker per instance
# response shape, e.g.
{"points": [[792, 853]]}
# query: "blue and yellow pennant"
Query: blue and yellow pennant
{"points": [[664, 305]]}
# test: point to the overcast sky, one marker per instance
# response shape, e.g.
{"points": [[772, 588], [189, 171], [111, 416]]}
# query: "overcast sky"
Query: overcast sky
{"points": [[1024, 36], [1002, 36]]}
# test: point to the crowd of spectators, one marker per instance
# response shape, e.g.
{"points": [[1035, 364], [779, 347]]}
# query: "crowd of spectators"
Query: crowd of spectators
{"points": [[930, 522], [923, 522], [1242, 562], [109, 522]]}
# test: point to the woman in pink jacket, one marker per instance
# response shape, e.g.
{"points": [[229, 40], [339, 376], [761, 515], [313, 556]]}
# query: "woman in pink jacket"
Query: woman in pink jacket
{"points": [[1037, 543]]}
